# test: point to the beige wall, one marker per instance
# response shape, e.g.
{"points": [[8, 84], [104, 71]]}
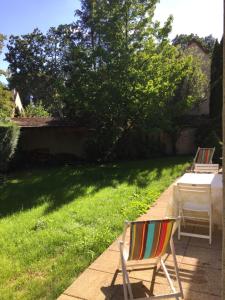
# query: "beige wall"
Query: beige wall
{"points": [[57, 140], [185, 143]]}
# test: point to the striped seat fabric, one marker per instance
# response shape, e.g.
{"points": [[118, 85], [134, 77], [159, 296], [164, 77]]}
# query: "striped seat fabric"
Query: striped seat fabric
{"points": [[149, 239], [204, 155]]}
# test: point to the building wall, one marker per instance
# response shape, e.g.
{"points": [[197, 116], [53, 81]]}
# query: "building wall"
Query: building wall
{"points": [[59, 140], [185, 144]]}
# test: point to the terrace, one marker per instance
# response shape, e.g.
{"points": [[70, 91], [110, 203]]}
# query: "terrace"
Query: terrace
{"points": [[199, 265]]}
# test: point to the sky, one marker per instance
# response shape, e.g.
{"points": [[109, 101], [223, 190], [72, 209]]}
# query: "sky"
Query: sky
{"points": [[202, 17]]}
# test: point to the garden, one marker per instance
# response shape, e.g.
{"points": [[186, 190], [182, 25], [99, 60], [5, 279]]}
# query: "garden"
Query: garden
{"points": [[56, 221], [145, 101]]}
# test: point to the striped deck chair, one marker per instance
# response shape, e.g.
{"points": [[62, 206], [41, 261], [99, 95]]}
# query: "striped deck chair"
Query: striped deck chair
{"points": [[204, 155], [148, 240]]}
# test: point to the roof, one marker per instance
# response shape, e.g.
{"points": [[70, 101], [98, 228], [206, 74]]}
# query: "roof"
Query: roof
{"points": [[37, 122]]}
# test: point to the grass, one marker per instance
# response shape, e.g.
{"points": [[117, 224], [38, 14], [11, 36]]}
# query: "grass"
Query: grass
{"points": [[55, 222]]}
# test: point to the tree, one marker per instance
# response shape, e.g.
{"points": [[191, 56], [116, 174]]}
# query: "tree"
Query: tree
{"points": [[216, 86], [36, 64], [114, 69], [2, 39], [6, 104], [124, 74], [184, 39]]}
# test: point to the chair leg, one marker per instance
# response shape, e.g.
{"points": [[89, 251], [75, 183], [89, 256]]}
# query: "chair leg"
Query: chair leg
{"points": [[176, 268], [179, 229], [210, 227], [126, 281]]}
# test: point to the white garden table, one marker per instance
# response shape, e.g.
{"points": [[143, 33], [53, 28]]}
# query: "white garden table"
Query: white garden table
{"points": [[215, 180]]}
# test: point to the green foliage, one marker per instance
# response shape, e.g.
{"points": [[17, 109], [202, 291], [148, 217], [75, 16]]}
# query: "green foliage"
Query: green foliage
{"points": [[125, 75], [216, 83], [36, 64], [113, 70], [9, 135], [37, 110], [209, 136], [52, 217], [2, 38], [6, 104], [183, 40]]}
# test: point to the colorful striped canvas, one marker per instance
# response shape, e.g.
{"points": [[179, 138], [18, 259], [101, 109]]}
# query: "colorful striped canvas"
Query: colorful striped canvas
{"points": [[204, 155], [149, 239]]}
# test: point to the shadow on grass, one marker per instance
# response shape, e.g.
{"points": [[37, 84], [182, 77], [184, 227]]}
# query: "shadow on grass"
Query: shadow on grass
{"points": [[61, 185]]}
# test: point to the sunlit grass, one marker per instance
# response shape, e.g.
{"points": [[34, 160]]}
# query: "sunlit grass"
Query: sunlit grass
{"points": [[55, 222]]}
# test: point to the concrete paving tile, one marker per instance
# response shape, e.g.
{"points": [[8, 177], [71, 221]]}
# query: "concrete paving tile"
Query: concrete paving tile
{"points": [[107, 262], [203, 243], [204, 257], [115, 245], [190, 295], [141, 289], [90, 285], [147, 274], [200, 279], [180, 251], [66, 297], [157, 211]]}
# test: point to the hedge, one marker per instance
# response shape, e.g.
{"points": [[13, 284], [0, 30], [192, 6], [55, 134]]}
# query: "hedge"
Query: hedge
{"points": [[9, 135]]}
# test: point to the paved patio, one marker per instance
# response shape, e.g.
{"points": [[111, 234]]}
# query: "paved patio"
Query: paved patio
{"points": [[199, 265]]}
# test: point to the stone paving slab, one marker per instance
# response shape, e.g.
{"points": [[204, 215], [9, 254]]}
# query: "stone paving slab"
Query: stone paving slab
{"points": [[199, 264]]}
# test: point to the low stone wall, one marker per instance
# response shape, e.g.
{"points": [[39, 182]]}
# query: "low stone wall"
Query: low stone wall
{"points": [[185, 144], [54, 141]]}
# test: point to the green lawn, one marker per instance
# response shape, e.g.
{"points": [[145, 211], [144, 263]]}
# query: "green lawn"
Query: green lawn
{"points": [[55, 222]]}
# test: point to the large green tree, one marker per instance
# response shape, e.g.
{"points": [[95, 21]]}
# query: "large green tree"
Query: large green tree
{"points": [[124, 74], [36, 64], [114, 69]]}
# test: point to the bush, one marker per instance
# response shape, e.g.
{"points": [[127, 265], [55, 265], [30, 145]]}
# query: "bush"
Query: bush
{"points": [[135, 144], [9, 135], [37, 110], [6, 104]]}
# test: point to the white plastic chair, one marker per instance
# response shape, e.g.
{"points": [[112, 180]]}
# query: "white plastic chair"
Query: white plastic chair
{"points": [[206, 168], [195, 200], [148, 240]]}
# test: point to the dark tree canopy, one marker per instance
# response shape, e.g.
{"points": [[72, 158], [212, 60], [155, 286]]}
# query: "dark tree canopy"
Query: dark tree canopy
{"points": [[216, 86]]}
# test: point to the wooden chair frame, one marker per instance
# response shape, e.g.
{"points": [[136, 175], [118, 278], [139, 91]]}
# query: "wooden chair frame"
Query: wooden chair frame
{"points": [[200, 149], [199, 189], [128, 294]]}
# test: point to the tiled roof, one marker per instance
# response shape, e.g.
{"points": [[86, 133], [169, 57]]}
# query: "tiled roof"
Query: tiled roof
{"points": [[45, 122]]}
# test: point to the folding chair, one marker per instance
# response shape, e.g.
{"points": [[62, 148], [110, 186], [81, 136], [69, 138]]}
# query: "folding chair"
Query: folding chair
{"points": [[195, 200], [206, 168], [204, 155], [148, 240]]}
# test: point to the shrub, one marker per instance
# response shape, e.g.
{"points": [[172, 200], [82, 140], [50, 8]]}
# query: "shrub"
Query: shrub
{"points": [[6, 104], [9, 135], [37, 110]]}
